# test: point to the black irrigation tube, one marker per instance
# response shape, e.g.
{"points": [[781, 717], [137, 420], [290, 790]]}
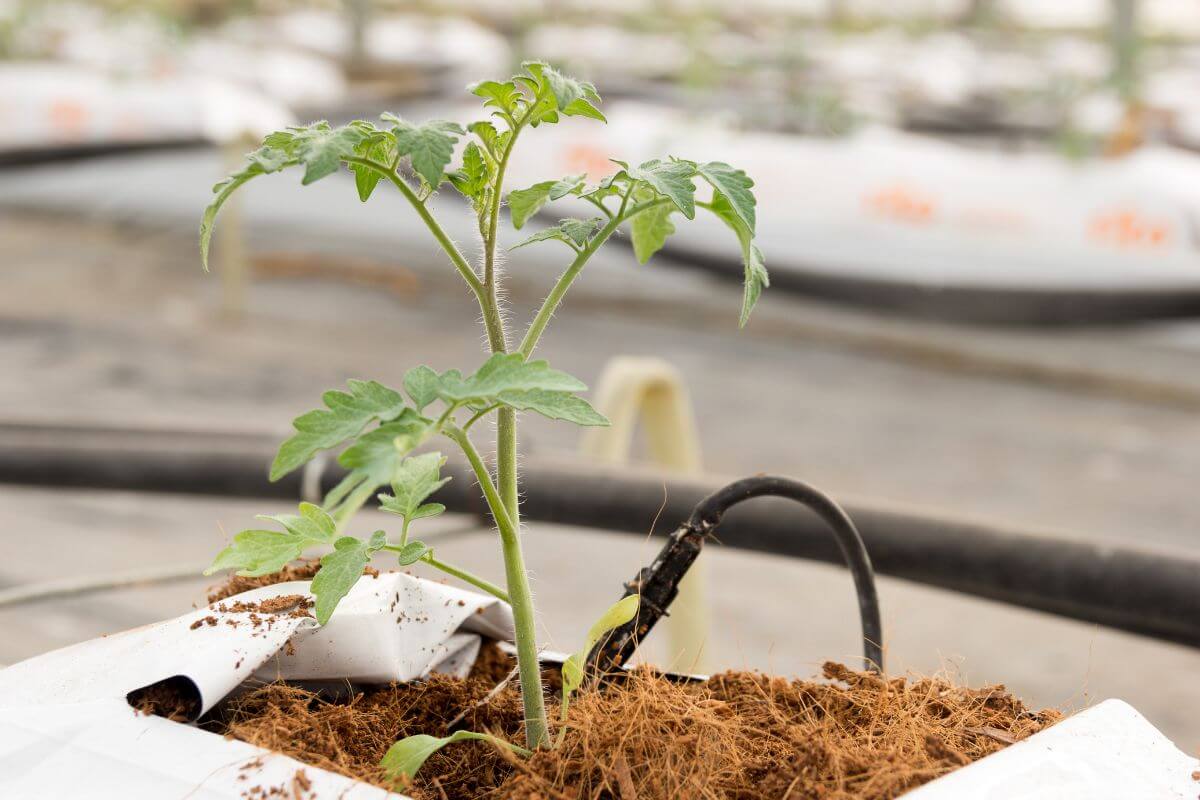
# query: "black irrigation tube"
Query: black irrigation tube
{"points": [[1154, 592], [658, 584]]}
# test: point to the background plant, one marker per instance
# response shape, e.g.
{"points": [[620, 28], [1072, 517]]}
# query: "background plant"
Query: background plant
{"points": [[381, 425]]}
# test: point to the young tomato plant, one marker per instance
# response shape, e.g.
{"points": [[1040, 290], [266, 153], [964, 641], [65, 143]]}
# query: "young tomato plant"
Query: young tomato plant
{"points": [[382, 426]]}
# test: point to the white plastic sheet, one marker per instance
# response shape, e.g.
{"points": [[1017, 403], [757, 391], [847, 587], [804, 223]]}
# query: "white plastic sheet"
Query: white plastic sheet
{"points": [[65, 722], [1108, 752]]}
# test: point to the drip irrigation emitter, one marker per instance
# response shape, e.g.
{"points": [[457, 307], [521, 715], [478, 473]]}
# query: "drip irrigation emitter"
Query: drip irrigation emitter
{"points": [[658, 583]]}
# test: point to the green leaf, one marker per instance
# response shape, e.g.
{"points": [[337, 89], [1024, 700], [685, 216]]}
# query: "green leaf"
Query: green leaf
{"points": [[312, 524], [259, 552], [380, 149], [507, 379], [416, 478], [489, 137], [472, 179], [650, 229], [412, 552], [429, 146], [524, 203], [555, 405], [617, 615], [321, 149], [574, 232], [501, 96], [374, 459], [584, 108], [348, 414], [756, 279], [734, 185], [504, 372], [754, 267], [340, 570], [671, 179], [422, 385], [566, 91], [404, 758], [263, 161]]}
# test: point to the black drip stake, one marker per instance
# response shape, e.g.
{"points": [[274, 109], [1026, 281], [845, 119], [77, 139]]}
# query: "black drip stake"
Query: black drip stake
{"points": [[658, 584]]}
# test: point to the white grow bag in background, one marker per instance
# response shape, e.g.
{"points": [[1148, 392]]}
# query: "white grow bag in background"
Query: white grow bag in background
{"points": [[67, 730]]}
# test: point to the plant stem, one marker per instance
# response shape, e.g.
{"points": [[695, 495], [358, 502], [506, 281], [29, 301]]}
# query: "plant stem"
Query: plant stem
{"points": [[550, 304], [520, 596], [458, 572], [463, 575], [456, 256]]}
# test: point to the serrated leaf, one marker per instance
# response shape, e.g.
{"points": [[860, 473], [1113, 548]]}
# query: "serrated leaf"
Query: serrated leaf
{"points": [[262, 161], [472, 179], [573, 232], [649, 230], [376, 456], [565, 90], [488, 136], [506, 372], [610, 184], [312, 524], [340, 570], [321, 149], [422, 385], [756, 279], [260, 552], [381, 150], [584, 108], [348, 414], [734, 185], [415, 479], [671, 179], [496, 94], [755, 276], [555, 405], [524, 203], [412, 552], [429, 146], [614, 617], [404, 758]]}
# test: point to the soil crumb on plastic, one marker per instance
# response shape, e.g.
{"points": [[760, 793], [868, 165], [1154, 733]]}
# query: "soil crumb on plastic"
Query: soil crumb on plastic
{"points": [[302, 570], [738, 735]]}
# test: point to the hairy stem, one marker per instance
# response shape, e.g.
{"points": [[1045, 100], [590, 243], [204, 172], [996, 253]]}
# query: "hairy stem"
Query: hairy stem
{"points": [[456, 256], [550, 304], [458, 572], [520, 595], [463, 575]]}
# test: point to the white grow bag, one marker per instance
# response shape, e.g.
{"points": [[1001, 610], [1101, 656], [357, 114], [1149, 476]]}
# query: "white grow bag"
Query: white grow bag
{"points": [[66, 727]]}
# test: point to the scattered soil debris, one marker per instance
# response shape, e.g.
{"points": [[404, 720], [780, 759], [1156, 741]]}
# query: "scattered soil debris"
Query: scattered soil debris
{"points": [[738, 735]]}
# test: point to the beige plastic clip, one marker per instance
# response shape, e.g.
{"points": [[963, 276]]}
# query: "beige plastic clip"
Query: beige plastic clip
{"points": [[651, 390]]}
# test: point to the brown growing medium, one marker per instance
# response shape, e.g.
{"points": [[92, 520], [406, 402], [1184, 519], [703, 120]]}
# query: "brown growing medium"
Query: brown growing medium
{"points": [[736, 736]]}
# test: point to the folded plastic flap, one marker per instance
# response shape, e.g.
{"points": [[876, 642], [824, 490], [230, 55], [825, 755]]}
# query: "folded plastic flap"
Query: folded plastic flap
{"points": [[393, 627]]}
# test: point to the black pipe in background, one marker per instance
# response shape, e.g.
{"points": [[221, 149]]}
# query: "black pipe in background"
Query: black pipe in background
{"points": [[1154, 592]]}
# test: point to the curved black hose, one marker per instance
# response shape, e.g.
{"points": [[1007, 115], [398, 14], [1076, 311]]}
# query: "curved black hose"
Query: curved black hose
{"points": [[658, 584], [708, 513]]}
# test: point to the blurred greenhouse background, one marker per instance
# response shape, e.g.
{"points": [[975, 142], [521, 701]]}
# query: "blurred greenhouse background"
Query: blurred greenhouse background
{"points": [[981, 217]]}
